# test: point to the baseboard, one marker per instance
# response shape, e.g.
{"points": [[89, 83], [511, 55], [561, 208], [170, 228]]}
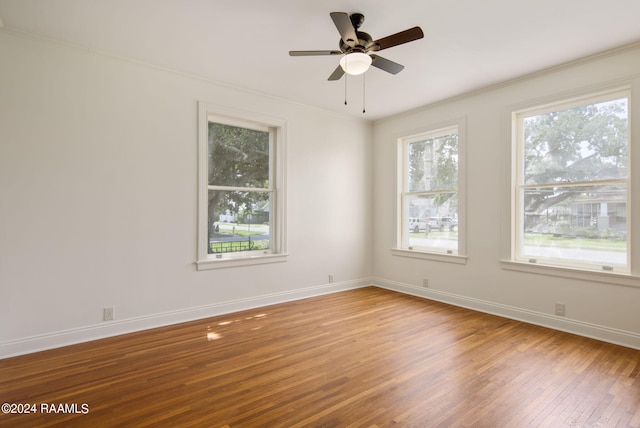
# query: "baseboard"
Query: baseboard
{"points": [[603, 333], [113, 328], [58, 339]]}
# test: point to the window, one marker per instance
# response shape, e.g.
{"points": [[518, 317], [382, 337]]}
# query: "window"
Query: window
{"points": [[241, 210], [429, 192], [571, 184]]}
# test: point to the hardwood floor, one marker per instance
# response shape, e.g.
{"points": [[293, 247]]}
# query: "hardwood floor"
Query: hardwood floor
{"points": [[363, 358]]}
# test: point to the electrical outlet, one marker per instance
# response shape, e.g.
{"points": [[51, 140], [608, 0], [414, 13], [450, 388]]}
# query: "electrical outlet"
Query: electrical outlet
{"points": [[108, 314], [330, 278], [425, 282], [560, 309]]}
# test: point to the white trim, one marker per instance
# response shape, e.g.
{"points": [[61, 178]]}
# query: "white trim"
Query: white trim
{"points": [[633, 191], [579, 99], [594, 331], [436, 131], [245, 259], [238, 122], [58, 339], [614, 278], [424, 255]]}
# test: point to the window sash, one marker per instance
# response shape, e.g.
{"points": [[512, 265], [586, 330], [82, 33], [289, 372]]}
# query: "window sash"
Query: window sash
{"points": [[276, 127], [242, 250], [520, 188], [404, 240]]}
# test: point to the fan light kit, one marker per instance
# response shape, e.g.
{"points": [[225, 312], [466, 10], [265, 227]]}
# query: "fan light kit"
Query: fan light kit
{"points": [[357, 47], [355, 63]]}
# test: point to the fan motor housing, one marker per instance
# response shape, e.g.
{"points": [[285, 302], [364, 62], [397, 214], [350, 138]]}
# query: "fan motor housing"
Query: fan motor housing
{"points": [[365, 44]]}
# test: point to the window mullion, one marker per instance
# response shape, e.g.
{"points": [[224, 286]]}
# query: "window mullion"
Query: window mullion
{"points": [[431, 192], [240, 189], [575, 183]]}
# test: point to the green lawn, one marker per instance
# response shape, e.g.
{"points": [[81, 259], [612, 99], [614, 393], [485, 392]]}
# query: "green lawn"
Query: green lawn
{"points": [[546, 240], [240, 230]]}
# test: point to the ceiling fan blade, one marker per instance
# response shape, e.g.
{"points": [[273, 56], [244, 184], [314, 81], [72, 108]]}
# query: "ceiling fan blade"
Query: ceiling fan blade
{"points": [[386, 65], [314, 53], [405, 36], [337, 73], [345, 28]]}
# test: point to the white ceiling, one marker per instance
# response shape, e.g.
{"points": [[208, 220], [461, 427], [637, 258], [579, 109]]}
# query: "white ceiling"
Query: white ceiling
{"points": [[468, 44]]}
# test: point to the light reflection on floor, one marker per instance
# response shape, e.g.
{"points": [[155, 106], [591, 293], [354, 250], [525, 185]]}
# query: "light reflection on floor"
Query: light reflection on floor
{"points": [[212, 335]]}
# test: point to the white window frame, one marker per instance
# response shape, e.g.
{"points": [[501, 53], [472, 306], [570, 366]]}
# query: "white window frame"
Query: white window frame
{"points": [[510, 259], [431, 253], [277, 128]]}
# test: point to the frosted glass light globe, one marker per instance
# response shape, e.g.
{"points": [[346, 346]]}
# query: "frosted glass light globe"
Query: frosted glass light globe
{"points": [[355, 63]]}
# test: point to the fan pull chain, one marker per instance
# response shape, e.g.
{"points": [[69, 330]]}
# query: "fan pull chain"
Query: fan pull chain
{"points": [[345, 89], [346, 65], [364, 87]]}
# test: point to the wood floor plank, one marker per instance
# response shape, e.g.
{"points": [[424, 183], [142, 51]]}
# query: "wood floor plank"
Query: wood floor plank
{"points": [[361, 358]]}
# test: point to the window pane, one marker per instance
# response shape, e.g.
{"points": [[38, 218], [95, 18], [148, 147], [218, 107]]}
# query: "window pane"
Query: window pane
{"points": [[579, 224], [433, 163], [577, 144], [238, 157], [431, 221], [238, 221]]}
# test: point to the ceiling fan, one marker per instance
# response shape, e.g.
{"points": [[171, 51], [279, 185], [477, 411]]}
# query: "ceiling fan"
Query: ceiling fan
{"points": [[357, 46]]}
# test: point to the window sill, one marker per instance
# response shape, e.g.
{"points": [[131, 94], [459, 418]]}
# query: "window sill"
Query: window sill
{"points": [[423, 255], [230, 262], [615, 278]]}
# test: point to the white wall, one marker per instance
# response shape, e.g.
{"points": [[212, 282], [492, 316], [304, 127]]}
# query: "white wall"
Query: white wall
{"points": [[98, 197], [599, 309]]}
